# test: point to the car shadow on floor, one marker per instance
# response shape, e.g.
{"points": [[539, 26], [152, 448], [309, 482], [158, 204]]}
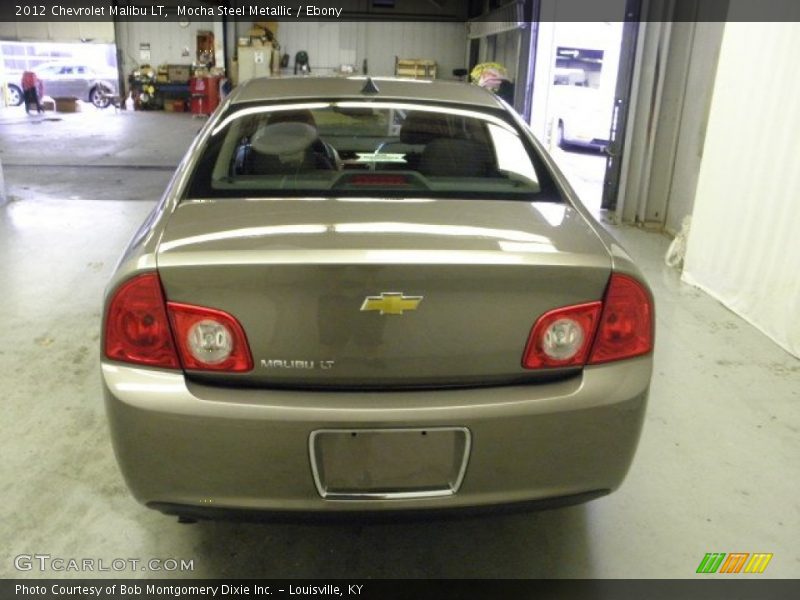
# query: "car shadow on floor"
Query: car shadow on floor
{"points": [[543, 544]]}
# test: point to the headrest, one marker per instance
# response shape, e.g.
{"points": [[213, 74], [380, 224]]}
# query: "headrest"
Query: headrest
{"points": [[283, 138], [453, 157], [421, 127], [292, 116]]}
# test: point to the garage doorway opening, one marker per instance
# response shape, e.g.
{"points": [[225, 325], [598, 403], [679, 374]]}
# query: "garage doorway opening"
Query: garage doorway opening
{"points": [[67, 70], [574, 100]]}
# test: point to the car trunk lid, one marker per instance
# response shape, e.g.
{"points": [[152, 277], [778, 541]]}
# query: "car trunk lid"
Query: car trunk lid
{"points": [[362, 293]]}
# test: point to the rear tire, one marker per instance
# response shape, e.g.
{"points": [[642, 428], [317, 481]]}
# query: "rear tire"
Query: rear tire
{"points": [[15, 96], [98, 98]]}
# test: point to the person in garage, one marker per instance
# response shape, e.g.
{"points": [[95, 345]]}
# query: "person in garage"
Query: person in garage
{"points": [[33, 91], [494, 77]]}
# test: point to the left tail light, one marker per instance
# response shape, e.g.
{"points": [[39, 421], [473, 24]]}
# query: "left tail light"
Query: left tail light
{"points": [[137, 327], [142, 328]]}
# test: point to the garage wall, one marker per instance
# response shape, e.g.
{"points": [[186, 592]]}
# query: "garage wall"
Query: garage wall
{"points": [[694, 111], [676, 63], [167, 42], [744, 245], [502, 48], [330, 45]]}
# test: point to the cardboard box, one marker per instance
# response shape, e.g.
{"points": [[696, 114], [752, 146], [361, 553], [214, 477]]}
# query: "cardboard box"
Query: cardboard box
{"points": [[179, 73], [415, 68], [271, 26], [67, 105]]}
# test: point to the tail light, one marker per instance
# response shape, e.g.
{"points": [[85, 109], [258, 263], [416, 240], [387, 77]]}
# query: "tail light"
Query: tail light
{"points": [[140, 327], [626, 326], [596, 332], [209, 339], [562, 337], [137, 327], [378, 179]]}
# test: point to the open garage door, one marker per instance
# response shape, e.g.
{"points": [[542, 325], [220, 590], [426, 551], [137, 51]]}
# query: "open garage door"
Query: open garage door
{"points": [[581, 93], [620, 110], [66, 70], [68, 56]]}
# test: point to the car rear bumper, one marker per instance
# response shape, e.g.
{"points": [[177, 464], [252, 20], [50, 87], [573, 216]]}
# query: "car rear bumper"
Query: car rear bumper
{"points": [[197, 513], [202, 451], [595, 143]]}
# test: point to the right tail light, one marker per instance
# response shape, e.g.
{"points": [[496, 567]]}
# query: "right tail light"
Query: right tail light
{"points": [[626, 323]]}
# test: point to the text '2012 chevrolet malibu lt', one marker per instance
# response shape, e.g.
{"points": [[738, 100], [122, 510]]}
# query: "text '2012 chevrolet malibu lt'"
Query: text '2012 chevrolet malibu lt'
{"points": [[365, 295]]}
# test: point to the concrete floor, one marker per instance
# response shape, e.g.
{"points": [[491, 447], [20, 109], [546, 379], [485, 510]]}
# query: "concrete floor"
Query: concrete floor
{"points": [[718, 468], [586, 171]]}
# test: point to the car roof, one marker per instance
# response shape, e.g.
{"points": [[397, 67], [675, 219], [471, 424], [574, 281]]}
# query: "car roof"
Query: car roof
{"points": [[58, 63], [390, 88]]}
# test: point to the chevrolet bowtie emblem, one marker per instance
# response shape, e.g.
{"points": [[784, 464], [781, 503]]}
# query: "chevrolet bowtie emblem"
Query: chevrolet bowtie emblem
{"points": [[391, 303]]}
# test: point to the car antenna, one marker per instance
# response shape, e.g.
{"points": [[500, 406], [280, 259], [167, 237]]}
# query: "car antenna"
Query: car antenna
{"points": [[370, 87]]}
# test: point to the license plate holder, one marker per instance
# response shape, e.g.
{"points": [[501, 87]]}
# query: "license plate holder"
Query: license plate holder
{"points": [[385, 464]]}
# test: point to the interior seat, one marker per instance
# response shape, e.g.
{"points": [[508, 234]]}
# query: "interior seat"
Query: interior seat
{"points": [[317, 156], [453, 157], [450, 145]]}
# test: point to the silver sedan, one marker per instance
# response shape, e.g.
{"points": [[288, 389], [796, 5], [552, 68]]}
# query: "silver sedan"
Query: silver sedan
{"points": [[75, 80], [363, 296]]}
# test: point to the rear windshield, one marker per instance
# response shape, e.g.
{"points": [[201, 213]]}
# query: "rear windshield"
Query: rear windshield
{"points": [[370, 149]]}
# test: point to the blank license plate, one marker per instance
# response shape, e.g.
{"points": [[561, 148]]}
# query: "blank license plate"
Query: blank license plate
{"points": [[359, 464]]}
